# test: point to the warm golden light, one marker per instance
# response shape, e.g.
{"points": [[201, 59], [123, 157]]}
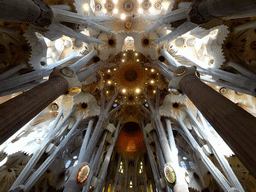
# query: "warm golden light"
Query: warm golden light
{"points": [[107, 92], [152, 70], [83, 174], [151, 10], [104, 11], [115, 11], [136, 54], [137, 90], [154, 91], [109, 82], [114, 69], [152, 81], [109, 71], [122, 60], [140, 10], [124, 90], [86, 7], [146, 69], [165, 5], [138, 60], [124, 54], [123, 16]]}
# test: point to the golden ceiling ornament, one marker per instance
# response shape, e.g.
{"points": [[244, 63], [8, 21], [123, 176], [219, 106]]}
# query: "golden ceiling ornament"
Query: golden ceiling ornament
{"points": [[128, 25], [128, 6], [158, 5], [130, 76], [98, 6], [239, 47], [146, 5], [109, 6]]}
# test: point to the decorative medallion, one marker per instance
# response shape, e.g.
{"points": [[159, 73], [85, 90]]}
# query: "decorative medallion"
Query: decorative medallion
{"points": [[180, 42], [146, 5], [109, 6], [128, 25], [169, 174], [158, 5], [83, 174], [130, 76], [223, 90], [98, 6], [128, 6]]}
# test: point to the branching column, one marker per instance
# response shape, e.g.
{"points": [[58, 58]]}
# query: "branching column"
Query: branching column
{"points": [[36, 12], [181, 184], [20, 110], [236, 126]]}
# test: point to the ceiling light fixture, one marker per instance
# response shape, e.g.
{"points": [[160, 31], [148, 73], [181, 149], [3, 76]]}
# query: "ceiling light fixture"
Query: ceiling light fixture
{"points": [[115, 11], [151, 10], [86, 7], [123, 16]]}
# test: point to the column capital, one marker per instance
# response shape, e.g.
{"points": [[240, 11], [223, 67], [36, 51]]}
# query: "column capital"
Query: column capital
{"points": [[179, 73], [46, 16], [74, 85]]}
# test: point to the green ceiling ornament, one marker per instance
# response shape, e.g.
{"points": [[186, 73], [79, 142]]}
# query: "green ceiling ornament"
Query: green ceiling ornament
{"points": [[169, 174]]}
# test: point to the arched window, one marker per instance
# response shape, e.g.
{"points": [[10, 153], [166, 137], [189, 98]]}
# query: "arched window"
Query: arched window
{"points": [[191, 164], [183, 164]]}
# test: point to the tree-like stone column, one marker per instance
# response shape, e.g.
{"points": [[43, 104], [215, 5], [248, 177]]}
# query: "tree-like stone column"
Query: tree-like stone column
{"points": [[21, 109], [236, 126], [36, 12]]}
